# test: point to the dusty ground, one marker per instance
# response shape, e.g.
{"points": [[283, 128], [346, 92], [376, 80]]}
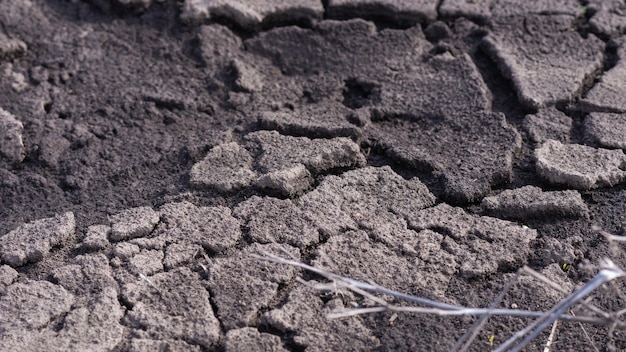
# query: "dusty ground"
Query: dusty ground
{"points": [[149, 148]]}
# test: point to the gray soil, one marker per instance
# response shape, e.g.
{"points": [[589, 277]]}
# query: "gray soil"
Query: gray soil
{"points": [[149, 149]]}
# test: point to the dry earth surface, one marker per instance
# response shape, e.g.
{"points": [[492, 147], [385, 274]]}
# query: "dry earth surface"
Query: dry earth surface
{"points": [[148, 149]]}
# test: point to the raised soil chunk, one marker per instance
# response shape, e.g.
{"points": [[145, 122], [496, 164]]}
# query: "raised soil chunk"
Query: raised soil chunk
{"points": [[289, 181], [242, 285], [90, 273], [579, 166], [97, 238], [547, 124], [176, 307], [326, 120], [470, 152], [532, 202], [7, 276], [11, 48], [282, 159], [609, 95], [133, 223], [318, 155], [547, 62], [339, 201], [253, 13], [31, 242], [486, 10], [11, 144], [226, 167], [404, 13], [606, 129], [609, 17], [31, 305]]}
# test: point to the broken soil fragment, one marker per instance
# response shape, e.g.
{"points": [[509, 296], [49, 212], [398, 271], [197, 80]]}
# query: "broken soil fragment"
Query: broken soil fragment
{"points": [[33, 241], [609, 95], [133, 223], [176, 307], [270, 220], [339, 202], [606, 129], [33, 308], [546, 61], [189, 225], [482, 245], [243, 286], [402, 13], [11, 144], [547, 124], [579, 166], [489, 10], [251, 14], [287, 163], [226, 167], [303, 314], [609, 17], [469, 151], [531, 202]]}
